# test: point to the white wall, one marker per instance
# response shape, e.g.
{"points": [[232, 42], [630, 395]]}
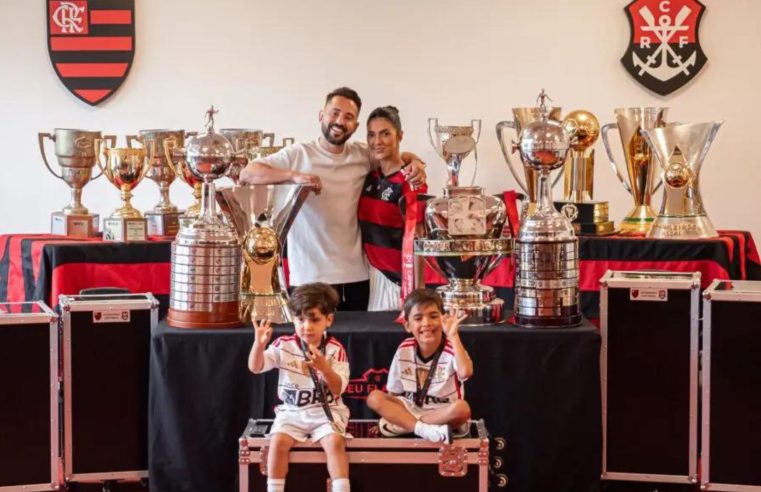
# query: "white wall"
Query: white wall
{"points": [[269, 64]]}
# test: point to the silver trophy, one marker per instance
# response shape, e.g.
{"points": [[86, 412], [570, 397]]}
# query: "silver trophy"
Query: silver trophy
{"points": [[546, 250], [454, 144], [641, 169], [464, 229], [681, 150], [247, 140], [206, 258], [261, 216]]}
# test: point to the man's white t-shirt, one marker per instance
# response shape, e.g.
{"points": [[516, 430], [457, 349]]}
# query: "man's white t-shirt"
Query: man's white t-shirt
{"points": [[324, 243]]}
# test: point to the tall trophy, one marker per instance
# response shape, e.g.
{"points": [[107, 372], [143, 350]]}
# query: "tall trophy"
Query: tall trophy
{"points": [[183, 171], [521, 118], [547, 250], [267, 150], [642, 177], [681, 150], [124, 168], [261, 216], [205, 265], [244, 139], [464, 233], [578, 184], [75, 152], [164, 218]]}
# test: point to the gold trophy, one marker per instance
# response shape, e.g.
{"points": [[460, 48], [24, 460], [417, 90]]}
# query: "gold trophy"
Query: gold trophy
{"points": [[124, 168], [181, 169], [247, 140], [76, 156], [164, 219], [267, 150], [592, 217]]}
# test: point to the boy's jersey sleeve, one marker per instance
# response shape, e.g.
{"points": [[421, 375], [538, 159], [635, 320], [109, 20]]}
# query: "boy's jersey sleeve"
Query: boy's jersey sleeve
{"points": [[394, 382], [272, 356], [339, 362]]}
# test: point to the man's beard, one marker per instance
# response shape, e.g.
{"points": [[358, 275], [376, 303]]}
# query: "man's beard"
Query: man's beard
{"points": [[333, 140]]}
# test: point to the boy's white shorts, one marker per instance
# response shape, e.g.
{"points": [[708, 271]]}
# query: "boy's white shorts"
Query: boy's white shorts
{"points": [[310, 423]]}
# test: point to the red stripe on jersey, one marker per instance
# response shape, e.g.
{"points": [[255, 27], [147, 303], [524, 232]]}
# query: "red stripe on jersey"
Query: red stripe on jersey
{"points": [[448, 351], [384, 259], [380, 212]]}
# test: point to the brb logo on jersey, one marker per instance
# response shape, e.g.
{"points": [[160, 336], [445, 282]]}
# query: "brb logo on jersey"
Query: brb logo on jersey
{"points": [[91, 45], [664, 52]]}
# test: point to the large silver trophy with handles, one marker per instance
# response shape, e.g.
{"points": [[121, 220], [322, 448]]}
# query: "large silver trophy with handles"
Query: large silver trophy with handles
{"points": [[464, 232], [261, 216], [547, 251], [681, 150], [641, 178], [206, 257], [247, 140]]}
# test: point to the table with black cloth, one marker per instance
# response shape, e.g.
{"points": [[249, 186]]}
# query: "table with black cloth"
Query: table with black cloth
{"points": [[538, 389]]}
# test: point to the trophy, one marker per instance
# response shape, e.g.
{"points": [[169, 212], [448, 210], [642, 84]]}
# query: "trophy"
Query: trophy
{"points": [[521, 118], [546, 256], [204, 286], [640, 163], [181, 169], [244, 139], [267, 150], [75, 152], [464, 232], [124, 168], [681, 150], [261, 216], [592, 218], [163, 220]]}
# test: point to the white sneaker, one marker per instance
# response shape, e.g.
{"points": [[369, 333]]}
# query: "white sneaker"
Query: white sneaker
{"points": [[434, 433], [387, 429]]}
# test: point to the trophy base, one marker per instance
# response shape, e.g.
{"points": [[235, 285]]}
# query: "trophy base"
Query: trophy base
{"points": [[186, 221], [691, 227], [223, 315], [163, 223], [567, 317], [479, 302], [592, 218], [273, 307], [74, 225], [638, 221], [121, 229]]}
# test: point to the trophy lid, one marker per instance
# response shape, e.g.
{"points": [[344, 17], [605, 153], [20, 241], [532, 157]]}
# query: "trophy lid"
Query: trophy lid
{"points": [[209, 154], [544, 143]]}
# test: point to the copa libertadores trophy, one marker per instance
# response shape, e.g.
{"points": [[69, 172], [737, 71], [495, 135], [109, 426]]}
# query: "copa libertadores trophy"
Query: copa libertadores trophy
{"points": [[578, 176], [642, 176], [464, 240], [521, 118], [124, 168], [681, 150], [546, 250], [164, 218], [261, 216], [204, 286], [75, 152]]}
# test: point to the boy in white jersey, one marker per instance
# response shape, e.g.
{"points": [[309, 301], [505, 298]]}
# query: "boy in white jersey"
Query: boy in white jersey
{"points": [[425, 393], [314, 371]]}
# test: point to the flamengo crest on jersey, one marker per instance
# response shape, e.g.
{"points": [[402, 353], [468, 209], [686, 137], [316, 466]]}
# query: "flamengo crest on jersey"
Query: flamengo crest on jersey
{"points": [[91, 45], [406, 366], [295, 387], [664, 51]]}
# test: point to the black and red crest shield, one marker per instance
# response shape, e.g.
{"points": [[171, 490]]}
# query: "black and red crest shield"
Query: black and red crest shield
{"points": [[664, 52], [92, 45]]}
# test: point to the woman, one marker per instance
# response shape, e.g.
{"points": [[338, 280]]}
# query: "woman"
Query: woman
{"points": [[389, 213]]}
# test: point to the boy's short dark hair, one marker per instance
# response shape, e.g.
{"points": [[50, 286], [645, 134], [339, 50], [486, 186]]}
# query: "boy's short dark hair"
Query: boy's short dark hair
{"points": [[422, 297], [316, 295], [350, 94]]}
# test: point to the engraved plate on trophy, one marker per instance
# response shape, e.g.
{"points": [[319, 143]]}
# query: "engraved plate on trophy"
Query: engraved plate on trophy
{"points": [[122, 229]]}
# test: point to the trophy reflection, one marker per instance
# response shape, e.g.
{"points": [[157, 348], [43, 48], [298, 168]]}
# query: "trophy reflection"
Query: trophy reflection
{"points": [[75, 152]]}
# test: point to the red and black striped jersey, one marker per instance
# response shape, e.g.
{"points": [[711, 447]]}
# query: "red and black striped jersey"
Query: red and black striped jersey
{"points": [[382, 222]]}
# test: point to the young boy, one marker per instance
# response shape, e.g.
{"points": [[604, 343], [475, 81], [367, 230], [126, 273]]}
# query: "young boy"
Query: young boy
{"points": [[314, 371], [425, 394]]}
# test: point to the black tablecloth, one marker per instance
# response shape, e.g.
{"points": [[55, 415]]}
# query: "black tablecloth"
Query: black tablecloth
{"points": [[538, 389]]}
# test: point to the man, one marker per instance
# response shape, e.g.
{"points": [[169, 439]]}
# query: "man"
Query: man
{"points": [[324, 243]]}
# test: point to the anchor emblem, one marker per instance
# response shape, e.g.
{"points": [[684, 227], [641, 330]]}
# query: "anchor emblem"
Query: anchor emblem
{"points": [[664, 52]]}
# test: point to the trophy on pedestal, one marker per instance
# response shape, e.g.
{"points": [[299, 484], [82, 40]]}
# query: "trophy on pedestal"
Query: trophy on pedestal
{"points": [[124, 168], [75, 152], [521, 118], [204, 287], [681, 150], [464, 239], [182, 170], [592, 216], [164, 218], [546, 256], [247, 140], [261, 216], [641, 167]]}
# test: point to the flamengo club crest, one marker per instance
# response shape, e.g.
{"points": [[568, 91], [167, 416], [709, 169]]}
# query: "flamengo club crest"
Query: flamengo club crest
{"points": [[664, 53], [91, 44]]}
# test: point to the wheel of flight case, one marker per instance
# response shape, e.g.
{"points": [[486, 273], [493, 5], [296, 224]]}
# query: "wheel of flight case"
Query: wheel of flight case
{"points": [[497, 462], [500, 443], [502, 480]]}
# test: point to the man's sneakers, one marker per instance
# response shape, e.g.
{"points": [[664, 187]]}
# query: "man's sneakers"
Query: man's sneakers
{"points": [[387, 429], [434, 433]]}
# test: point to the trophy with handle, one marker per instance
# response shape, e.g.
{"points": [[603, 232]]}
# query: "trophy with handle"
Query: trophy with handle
{"points": [[454, 144], [75, 152], [183, 171], [641, 178], [270, 148], [243, 139]]}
